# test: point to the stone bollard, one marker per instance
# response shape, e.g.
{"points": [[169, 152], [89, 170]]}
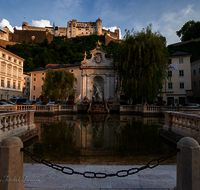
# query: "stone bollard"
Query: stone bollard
{"points": [[188, 165], [11, 164]]}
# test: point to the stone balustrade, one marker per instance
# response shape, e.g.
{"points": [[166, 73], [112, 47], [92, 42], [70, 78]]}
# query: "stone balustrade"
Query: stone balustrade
{"points": [[15, 122], [47, 108], [24, 107], [150, 109], [183, 124], [6, 108]]}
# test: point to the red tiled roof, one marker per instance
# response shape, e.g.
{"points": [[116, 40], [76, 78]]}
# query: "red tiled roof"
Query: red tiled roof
{"points": [[54, 65]]}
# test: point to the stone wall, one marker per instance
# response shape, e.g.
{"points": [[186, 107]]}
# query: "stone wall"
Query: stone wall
{"points": [[4, 43], [31, 36]]}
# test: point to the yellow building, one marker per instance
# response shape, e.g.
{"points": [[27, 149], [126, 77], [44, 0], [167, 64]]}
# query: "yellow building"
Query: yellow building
{"points": [[37, 79], [177, 88], [11, 74]]}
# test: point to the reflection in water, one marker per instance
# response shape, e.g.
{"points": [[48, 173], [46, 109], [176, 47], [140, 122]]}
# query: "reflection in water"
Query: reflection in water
{"points": [[98, 139]]}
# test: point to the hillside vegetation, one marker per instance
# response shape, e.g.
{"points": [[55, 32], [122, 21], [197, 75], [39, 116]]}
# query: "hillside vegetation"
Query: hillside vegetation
{"points": [[190, 47], [59, 51]]}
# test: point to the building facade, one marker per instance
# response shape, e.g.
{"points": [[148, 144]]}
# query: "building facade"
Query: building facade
{"points": [[37, 79], [195, 73], [177, 89], [26, 85], [11, 74], [98, 74]]}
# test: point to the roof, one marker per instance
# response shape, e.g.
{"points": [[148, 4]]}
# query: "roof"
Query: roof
{"points": [[38, 69], [52, 64], [196, 61], [2, 31], [57, 66], [178, 53]]}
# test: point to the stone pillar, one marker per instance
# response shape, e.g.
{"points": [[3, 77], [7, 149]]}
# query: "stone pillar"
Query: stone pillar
{"points": [[11, 164], [84, 86], [30, 119], [188, 165], [108, 86], [168, 121]]}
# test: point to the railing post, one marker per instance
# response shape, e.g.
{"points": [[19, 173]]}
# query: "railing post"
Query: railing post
{"points": [[11, 164], [188, 165], [30, 119], [74, 108]]}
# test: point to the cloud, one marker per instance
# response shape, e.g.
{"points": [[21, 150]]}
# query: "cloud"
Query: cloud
{"points": [[41, 23], [170, 22], [112, 29], [18, 27], [4, 23]]}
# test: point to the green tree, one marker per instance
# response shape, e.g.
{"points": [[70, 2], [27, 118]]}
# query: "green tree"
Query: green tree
{"points": [[58, 84], [142, 64], [190, 30]]}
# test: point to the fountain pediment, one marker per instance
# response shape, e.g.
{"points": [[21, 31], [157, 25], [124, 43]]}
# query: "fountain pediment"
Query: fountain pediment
{"points": [[98, 58]]}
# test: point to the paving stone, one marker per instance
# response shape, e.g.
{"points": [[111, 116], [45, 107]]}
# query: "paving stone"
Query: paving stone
{"points": [[159, 178]]}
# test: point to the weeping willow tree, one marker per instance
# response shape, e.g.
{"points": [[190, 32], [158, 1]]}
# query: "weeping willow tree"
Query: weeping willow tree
{"points": [[58, 84], [142, 64]]}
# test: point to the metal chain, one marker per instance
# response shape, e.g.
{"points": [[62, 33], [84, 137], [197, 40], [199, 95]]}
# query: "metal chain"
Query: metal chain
{"points": [[88, 174]]}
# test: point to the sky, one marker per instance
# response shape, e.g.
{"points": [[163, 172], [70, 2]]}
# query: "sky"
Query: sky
{"points": [[166, 16]]}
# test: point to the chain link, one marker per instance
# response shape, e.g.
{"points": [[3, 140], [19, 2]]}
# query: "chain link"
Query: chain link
{"points": [[88, 174]]}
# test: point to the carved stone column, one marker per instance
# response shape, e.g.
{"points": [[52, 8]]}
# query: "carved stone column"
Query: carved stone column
{"points": [[84, 85], [107, 85]]}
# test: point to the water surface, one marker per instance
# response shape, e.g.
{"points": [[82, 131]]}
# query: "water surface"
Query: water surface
{"points": [[99, 139]]}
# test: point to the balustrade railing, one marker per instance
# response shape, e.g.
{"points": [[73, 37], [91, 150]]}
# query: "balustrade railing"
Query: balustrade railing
{"points": [[46, 108], [184, 124], [13, 122], [25, 107], [154, 109]]}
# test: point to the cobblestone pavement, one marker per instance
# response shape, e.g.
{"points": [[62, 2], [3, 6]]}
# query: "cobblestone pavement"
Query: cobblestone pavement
{"points": [[41, 177]]}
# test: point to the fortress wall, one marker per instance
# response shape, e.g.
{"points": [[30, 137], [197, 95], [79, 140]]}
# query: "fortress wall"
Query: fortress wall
{"points": [[3, 43]]}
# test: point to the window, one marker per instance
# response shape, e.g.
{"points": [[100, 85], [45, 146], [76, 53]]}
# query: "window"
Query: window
{"points": [[8, 84], [181, 73], [2, 83], [14, 85], [169, 73], [180, 60], [15, 60], [194, 83], [42, 73], [34, 74], [34, 79], [170, 61], [170, 85], [194, 72], [3, 55], [33, 88], [19, 85], [42, 78], [181, 85], [72, 71], [9, 58], [33, 97], [27, 84], [41, 87], [19, 62]]}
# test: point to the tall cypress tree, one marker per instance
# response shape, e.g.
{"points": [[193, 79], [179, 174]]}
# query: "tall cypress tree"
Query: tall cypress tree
{"points": [[142, 64]]}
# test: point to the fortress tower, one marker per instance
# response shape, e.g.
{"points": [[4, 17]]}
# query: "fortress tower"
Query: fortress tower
{"points": [[99, 26]]}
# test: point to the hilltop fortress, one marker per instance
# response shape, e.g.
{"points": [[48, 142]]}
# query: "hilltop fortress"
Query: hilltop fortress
{"points": [[34, 34]]}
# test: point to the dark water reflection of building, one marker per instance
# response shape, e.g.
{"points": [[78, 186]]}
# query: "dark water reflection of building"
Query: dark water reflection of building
{"points": [[99, 139]]}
